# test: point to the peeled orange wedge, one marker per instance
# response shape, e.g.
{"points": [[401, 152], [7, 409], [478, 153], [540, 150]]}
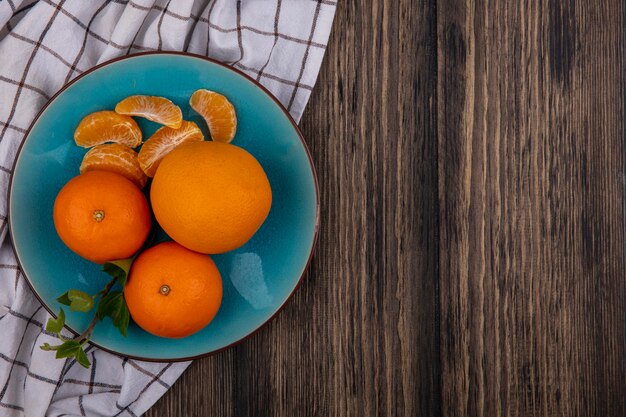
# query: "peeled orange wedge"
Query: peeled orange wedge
{"points": [[116, 158], [218, 113], [163, 142], [157, 109], [107, 126]]}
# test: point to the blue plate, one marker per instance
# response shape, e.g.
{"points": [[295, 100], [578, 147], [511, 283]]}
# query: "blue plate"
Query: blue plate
{"points": [[258, 278]]}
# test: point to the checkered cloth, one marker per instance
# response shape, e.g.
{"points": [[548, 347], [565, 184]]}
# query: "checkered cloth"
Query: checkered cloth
{"points": [[43, 45]]}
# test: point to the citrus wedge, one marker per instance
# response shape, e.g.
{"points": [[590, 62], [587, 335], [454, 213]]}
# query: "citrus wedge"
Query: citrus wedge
{"points": [[116, 158], [163, 142], [157, 109], [218, 113], [107, 126]]}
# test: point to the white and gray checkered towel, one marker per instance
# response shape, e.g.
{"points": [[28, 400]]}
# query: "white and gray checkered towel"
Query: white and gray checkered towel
{"points": [[46, 43]]}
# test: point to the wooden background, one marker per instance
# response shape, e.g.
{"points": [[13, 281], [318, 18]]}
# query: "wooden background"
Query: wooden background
{"points": [[472, 254]]}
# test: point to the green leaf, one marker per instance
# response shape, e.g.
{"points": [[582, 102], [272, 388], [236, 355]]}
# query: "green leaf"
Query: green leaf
{"points": [[64, 299], [113, 305], [68, 349], [80, 301], [122, 320], [46, 346], [56, 325], [110, 305], [119, 269], [81, 357]]}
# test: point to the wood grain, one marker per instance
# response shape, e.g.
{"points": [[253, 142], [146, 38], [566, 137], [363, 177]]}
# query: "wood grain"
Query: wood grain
{"points": [[472, 253], [532, 207]]}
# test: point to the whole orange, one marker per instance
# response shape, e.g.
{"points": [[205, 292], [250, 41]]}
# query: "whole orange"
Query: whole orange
{"points": [[173, 291], [102, 216], [210, 197]]}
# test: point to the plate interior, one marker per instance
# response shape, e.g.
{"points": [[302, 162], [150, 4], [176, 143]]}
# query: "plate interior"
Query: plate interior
{"points": [[258, 277]]}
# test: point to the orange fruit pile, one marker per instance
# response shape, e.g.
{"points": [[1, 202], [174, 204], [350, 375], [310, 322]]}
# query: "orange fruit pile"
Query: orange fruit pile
{"points": [[102, 216], [173, 291], [209, 196]]}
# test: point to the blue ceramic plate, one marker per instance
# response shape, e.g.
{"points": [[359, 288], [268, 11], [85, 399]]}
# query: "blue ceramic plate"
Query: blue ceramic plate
{"points": [[258, 278]]}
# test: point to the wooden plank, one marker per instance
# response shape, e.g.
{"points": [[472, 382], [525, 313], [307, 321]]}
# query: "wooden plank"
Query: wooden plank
{"points": [[532, 162], [360, 338]]}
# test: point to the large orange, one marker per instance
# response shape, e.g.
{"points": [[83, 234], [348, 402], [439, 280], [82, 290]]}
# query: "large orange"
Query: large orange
{"points": [[210, 197], [172, 291], [102, 216]]}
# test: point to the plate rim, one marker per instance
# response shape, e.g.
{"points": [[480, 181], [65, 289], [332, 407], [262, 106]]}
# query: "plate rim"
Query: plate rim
{"points": [[254, 83]]}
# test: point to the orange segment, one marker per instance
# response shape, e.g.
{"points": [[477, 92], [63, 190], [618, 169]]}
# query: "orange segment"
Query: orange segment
{"points": [[157, 109], [107, 126], [117, 158], [218, 113], [163, 142]]}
